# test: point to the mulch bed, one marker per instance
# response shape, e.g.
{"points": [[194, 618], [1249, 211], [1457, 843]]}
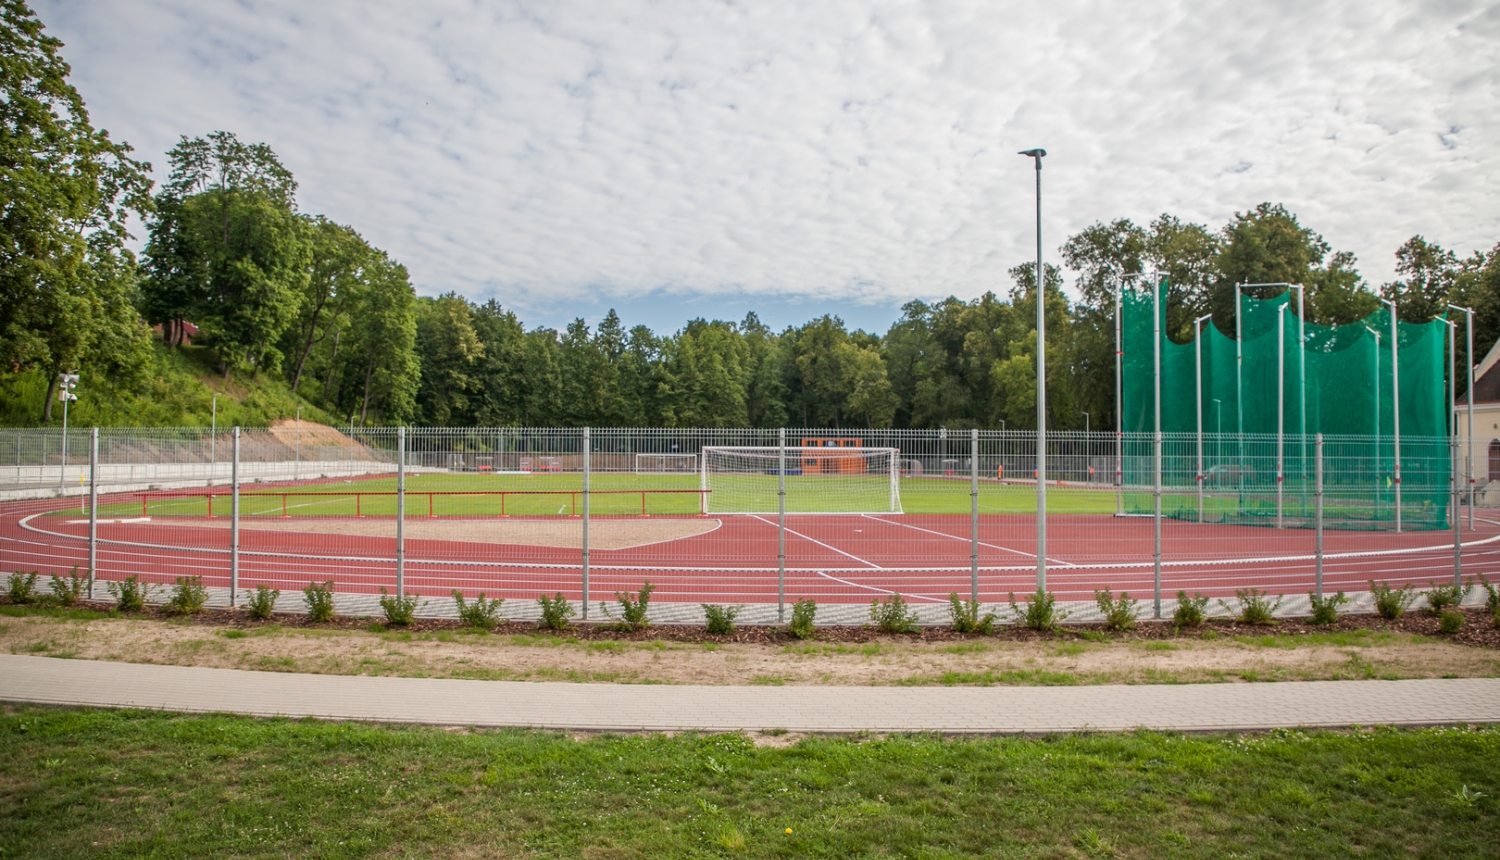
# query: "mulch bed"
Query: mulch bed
{"points": [[1479, 629]]}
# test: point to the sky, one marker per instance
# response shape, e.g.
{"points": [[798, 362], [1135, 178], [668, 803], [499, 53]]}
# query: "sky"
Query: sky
{"points": [[684, 159]]}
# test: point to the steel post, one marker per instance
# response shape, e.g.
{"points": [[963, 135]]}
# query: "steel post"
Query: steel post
{"points": [[974, 516], [234, 515], [400, 512], [781, 525], [585, 555], [93, 506], [1318, 502]]}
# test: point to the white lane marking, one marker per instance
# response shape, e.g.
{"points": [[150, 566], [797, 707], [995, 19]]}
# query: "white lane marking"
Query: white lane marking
{"points": [[880, 590], [821, 544], [966, 540], [106, 522]]}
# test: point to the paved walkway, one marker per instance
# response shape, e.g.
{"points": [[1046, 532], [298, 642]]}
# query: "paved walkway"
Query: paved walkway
{"points": [[611, 707]]}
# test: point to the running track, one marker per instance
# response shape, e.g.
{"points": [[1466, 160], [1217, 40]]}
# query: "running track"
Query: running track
{"points": [[832, 558]]}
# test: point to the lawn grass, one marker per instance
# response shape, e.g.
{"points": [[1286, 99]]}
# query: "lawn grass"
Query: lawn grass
{"points": [[105, 784]]}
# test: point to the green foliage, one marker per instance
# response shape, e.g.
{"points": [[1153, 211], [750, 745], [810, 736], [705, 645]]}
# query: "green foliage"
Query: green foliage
{"points": [[1440, 597], [555, 612], [966, 617], [68, 591], [1325, 610], [188, 596], [1450, 621], [632, 609], [1041, 612], [22, 588], [803, 613], [1491, 596], [319, 599], [1119, 613], [479, 614], [1255, 606], [891, 615], [261, 602], [399, 610], [720, 618], [1190, 611], [130, 593], [1391, 603]]}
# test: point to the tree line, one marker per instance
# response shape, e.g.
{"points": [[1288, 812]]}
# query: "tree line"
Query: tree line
{"points": [[278, 293]]}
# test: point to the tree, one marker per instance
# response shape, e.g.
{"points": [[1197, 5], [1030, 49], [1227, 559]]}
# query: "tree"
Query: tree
{"points": [[338, 276], [449, 350], [384, 338], [66, 277]]}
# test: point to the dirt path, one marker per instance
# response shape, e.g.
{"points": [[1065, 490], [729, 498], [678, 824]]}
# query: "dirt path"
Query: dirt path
{"points": [[1359, 654]]}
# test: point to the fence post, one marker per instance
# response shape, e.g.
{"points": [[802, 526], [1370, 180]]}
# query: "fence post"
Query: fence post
{"points": [[234, 516], [1318, 500], [400, 512], [1156, 522], [974, 516], [586, 469], [93, 506], [1458, 517], [781, 525]]}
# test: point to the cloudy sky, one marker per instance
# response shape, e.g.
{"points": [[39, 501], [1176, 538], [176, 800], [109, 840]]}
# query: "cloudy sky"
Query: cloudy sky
{"points": [[678, 159]]}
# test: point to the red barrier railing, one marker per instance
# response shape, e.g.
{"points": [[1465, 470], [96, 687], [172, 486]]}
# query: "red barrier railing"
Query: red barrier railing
{"points": [[147, 497]]}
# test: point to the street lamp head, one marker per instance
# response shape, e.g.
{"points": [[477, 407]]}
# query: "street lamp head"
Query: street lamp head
{"points": [[1034, 153]]}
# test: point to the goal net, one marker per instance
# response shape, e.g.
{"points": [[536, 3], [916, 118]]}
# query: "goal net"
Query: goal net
{"points": [[651, 464], [746, 480]]}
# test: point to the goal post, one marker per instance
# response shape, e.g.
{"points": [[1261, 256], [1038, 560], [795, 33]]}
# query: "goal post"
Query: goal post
{"points": [[745, 480], [655, 464]]}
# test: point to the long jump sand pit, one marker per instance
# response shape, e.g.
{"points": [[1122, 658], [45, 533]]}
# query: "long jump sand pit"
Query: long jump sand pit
{"points": [[625, 533]]}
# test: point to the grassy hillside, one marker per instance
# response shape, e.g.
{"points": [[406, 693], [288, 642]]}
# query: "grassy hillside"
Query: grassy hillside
{"points": [[179, 394]]}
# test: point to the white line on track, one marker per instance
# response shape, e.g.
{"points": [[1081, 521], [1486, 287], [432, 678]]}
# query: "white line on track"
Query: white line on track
{"points": [[967, 540], [880, 590], [821, 544]]}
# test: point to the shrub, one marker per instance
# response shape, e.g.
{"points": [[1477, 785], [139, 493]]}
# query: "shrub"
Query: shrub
{"points": [[262, 602], [70, 590], [1119, 613], [720, 618], [1491, 596], [1041, 612], [1255, 606], [1451, 621], [1190, 611], [22, 587], [1391, 603], [803, 613], [481, 614], [319, 597], [130, 593], [892, 615], [1440, 597], [966, 617], [188, 596], [555, 612], [632, 610], [398, 610], [1325, 610]]}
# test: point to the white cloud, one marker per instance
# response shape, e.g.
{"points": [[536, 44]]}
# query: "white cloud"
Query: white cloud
{"points": [[556, 154]]}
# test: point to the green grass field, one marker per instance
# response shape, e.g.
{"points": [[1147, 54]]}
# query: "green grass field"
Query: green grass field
{"points": [[77, 783]]}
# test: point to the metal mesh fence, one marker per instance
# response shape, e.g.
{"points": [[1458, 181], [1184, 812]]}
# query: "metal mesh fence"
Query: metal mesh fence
{"points": [[586, 513]]}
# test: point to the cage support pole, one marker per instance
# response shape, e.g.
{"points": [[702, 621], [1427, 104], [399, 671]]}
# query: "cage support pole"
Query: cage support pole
{"points": [[1156, 527], [1280, 411], [1396, 409], [974, 516], [1456, 511], [400, 512], [1119, 409], [1198, 355], [1318, 501], [234, 515], [93, 506], [780, 524], [584, 560]]}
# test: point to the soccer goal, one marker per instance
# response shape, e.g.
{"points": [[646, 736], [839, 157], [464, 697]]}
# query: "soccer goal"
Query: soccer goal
{"points": [[747, 480], [655, 464]]}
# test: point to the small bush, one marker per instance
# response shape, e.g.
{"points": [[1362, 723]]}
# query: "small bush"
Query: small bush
{"points": [[632, 609], [720, 618], [803, 613], [555, 612], [1041, 612], [1119, 613], [1451, 621], [481, 614], [399, 611], [1440, 597], [319, 597], [22, 587], [130, 593], [1391, 603], [188, 596], [1491, 596], [1255, 606], [966, 617], [261, 602], [70, 590], [892, 615], [1190, 611], [1325, 610]]}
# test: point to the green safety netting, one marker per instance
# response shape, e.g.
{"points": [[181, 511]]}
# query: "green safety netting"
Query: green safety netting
{"points": [[1258, 448]]}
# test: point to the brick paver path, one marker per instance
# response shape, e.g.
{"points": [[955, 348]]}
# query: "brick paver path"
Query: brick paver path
{"points": [[1203, 707]]}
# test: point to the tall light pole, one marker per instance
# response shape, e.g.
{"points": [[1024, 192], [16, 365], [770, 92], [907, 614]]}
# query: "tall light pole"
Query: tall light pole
{"points": [[1036, 156], [1085, 424], [1198, 355], [1395, 407], [66, 383]]}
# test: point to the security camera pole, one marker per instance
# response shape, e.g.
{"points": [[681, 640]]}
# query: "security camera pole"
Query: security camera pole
{"points": [[1041, 385], [66, 383]]}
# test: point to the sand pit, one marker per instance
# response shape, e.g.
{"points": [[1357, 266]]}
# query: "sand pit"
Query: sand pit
{"points": [[561, 533]]}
